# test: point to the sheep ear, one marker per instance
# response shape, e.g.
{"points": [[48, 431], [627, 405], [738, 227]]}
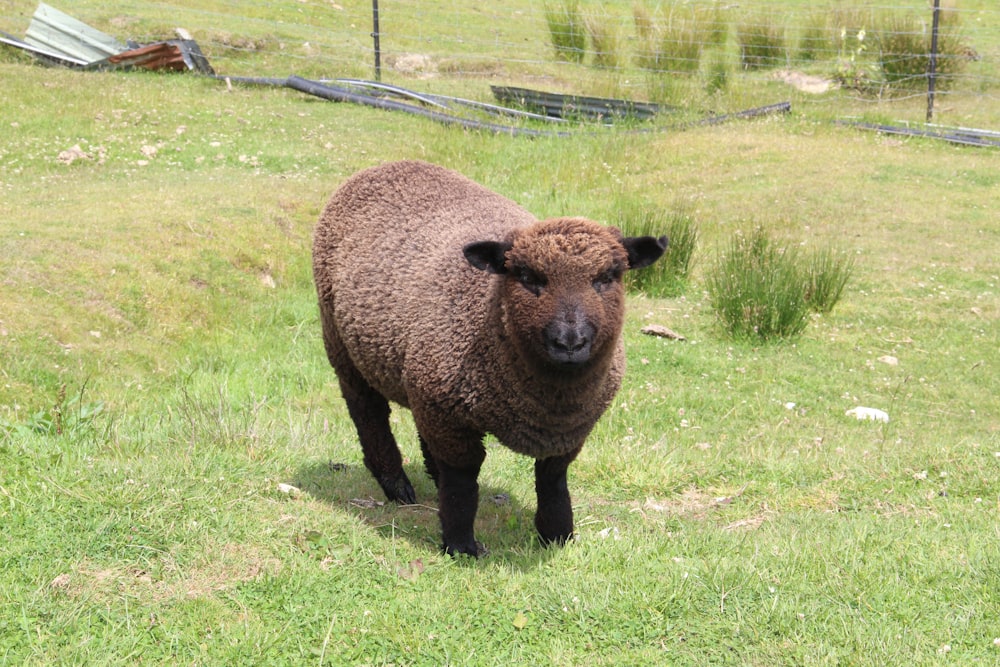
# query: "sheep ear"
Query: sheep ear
{"points": [[489, 256], [644, 250]]}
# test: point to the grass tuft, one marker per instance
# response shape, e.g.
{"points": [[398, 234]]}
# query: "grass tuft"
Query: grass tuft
{"points": [[669, 276], [762, 42], [757, 290], [567, 31], [672, 45], [904, 50], [604, 42], [827, 274]]}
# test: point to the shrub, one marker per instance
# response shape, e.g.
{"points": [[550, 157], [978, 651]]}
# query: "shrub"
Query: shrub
{"points": [[761, 42], [669, 276], [757, 290], [567, 31]]}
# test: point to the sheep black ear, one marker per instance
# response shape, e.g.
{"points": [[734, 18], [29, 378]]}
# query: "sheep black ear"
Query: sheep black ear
{"points": [[489, 256], [644, 250]]}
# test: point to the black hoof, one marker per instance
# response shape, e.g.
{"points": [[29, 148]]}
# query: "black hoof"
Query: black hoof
{"points": [[476, 549], [556, 540], [398, 490]]}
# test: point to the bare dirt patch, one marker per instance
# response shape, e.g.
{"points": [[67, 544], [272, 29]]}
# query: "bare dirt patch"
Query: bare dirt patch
{"points": [[807, 83]]}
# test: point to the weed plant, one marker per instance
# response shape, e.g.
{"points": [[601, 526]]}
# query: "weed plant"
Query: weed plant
{"points": [[567, 31], [761, 42], [669, 276], [855, 69], [67, 416]]}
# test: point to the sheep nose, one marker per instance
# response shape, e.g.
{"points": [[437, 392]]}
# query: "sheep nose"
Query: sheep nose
{"points": [[568, 343]]}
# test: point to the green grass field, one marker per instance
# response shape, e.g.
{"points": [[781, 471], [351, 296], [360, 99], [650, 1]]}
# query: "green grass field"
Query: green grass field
{"points": [[163, 385]]}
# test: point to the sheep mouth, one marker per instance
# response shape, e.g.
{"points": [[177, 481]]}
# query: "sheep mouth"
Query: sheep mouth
{"points": [[569, 360]]}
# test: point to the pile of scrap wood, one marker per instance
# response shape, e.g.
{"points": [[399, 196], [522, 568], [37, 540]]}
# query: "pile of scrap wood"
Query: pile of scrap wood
{"points": [[56, 38]]}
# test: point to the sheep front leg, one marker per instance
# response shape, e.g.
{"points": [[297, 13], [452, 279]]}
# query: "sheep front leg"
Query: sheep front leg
{"points": [[458, 500], [554, 517]]}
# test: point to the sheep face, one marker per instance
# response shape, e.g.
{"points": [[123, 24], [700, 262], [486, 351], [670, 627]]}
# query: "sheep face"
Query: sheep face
{"points": [[562, 290]]}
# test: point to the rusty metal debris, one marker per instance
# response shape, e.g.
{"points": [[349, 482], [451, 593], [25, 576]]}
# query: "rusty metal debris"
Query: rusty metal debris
{"points": [[56, 38], [662, 332]]}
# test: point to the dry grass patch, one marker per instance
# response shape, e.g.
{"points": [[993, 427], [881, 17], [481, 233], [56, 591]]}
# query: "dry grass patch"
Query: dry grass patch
{"points": [[696, 504], [232, 564]]}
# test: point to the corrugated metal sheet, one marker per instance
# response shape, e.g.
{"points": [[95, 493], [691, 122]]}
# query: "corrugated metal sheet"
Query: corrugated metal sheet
{"points": [[570, 106], [177, 54], [41, 53], [57, 38], [56, 31]]}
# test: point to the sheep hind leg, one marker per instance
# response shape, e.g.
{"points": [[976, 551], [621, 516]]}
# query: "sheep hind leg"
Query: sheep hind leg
{"points": [[554, 517], [370, 412]]}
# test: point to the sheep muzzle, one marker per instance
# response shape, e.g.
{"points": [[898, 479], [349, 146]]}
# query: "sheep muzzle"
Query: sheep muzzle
{"points": [[568, 341]]}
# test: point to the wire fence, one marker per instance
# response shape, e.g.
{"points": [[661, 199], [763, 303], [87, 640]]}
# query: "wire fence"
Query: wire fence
{"points": [[707, 53]]}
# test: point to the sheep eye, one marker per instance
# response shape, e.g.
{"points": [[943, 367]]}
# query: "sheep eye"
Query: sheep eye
{"points": [[530, 280], [606, 279]]}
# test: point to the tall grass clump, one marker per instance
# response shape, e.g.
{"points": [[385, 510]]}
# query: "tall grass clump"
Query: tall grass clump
{"points": [[669, 276], [717, 77], [756, 289], [904, 49], [604, 41], [827, 273], [567, 31], [815, 42], [763, 291], [713, 25], [673, 44], [762, 42]]}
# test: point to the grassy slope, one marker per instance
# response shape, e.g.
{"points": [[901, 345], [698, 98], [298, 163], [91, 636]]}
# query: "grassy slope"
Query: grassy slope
{"points": [[716, 525]]}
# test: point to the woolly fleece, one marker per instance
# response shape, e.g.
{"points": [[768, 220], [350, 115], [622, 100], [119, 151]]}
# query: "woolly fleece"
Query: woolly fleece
{"points": [[407, 318]]}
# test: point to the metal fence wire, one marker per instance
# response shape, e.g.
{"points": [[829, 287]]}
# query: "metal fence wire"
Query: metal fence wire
{"points": [[901, 52]]}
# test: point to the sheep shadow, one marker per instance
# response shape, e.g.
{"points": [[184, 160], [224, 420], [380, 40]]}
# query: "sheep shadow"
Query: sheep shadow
{"points": [[503, 523]]}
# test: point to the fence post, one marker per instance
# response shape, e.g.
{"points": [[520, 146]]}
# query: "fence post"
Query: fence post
{"points": [[932, 65], [378, 52]]}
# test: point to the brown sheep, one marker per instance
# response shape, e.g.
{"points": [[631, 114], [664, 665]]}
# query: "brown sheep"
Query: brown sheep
{"points": [[455, 302]]}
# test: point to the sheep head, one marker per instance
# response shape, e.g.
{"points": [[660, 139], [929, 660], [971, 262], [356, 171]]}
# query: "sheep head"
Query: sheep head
{"points": [[562, 287]]}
